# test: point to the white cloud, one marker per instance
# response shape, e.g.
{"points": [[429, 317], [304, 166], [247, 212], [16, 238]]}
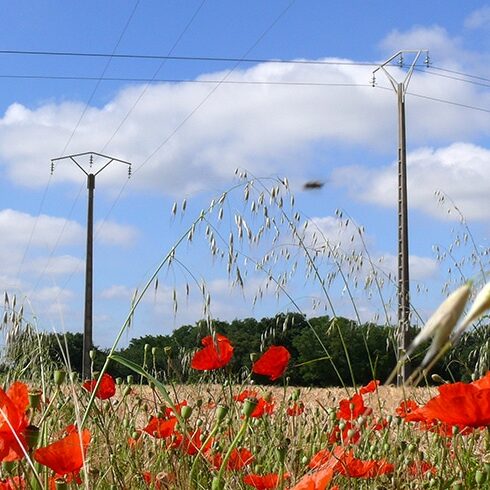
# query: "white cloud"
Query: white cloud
{"points": [[478, 19], [459, 170], [421, 268], [117, 291], [18, 229], [56, 266], [111, 233], [254, 126], [436, 39]]}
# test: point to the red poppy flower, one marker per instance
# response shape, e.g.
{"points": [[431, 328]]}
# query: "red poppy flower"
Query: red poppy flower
{"points": [[151, 480], [263, 407], [106, 389], [483, 383], [464, 405], [169, 412], [246, 394], [358, 468], [420, 468], [263, 482], [161, 428], [216, 354], [14, 483], [405, 408], [239, 458], [380, 424], [296, 409], [352, 408], [371, 387], [318, 480], [190, 446], [65, 457], [326, 463], [13, 421], [273, 362]]}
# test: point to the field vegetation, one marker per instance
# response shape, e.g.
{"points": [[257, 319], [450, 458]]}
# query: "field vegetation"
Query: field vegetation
{"points": [[250, 404]]}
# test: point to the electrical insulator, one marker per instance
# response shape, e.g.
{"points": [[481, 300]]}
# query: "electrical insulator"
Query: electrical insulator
{"points": [[427, 60], [373, 81], [91, 161], [52, 168], [400, 61], [129, 171]]}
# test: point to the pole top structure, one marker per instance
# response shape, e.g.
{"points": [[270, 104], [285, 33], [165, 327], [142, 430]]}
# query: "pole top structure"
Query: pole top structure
{"points": [[91, 154], [415, 53]]}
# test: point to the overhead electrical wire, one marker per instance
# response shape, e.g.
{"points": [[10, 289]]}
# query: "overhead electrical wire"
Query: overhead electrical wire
{"points": [[125, 117], [217, 83], [182, 58], [125, 28]]}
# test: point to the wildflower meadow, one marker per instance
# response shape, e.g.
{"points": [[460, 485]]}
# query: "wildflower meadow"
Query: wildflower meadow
{"points": [[252, 431]]}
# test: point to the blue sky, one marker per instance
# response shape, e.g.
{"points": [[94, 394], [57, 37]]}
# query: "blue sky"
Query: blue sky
{"points": [[302, 121]]}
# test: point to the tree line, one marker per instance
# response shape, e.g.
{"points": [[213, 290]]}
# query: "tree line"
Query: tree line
{"points": [[324, 351]]}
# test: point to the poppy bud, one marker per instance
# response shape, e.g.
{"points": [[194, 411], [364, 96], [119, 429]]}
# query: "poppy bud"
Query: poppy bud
{"points": [[457, 485], [32, 436], [221, 413], [147, 347], [153, 351], [92, 354], [119, 381], [59, 377], [438, 379], [130, 379], [34, 399], [186, 412]]}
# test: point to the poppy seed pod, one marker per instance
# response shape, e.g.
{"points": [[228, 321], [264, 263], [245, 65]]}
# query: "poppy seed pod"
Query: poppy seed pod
{"points": [[249, 406]]}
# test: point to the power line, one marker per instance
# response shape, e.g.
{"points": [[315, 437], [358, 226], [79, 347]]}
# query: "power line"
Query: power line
{"points": [[442, 101], [125, 28], [455, 72], [249, 82], [451, 77], [183, 80], [187, 26], [181, 58]]}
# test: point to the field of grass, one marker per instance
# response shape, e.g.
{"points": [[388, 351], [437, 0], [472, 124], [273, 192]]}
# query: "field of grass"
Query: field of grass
{"points": [[138, 433]]}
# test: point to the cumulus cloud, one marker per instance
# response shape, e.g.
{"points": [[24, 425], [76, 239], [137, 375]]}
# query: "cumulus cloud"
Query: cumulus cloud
{"points": [[434, 38], [421, 268], [111, 233], [16, 228], [458, 170], [180, 141], [117, 291]]}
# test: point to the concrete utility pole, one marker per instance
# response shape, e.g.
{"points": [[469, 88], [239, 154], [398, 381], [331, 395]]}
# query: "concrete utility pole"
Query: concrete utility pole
{"points": [[403, 269], [88, 315]]}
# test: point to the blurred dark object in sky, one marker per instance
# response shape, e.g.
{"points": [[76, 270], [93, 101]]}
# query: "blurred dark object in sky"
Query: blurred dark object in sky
{"points": [[313, 184]]}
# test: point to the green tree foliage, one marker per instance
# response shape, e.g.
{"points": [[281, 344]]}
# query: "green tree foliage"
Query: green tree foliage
{"points": [[324, 351]]}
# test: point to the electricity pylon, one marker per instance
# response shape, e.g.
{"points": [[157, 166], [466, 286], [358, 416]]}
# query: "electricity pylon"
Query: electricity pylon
{"points": [[400, 89], [88, 315]]}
